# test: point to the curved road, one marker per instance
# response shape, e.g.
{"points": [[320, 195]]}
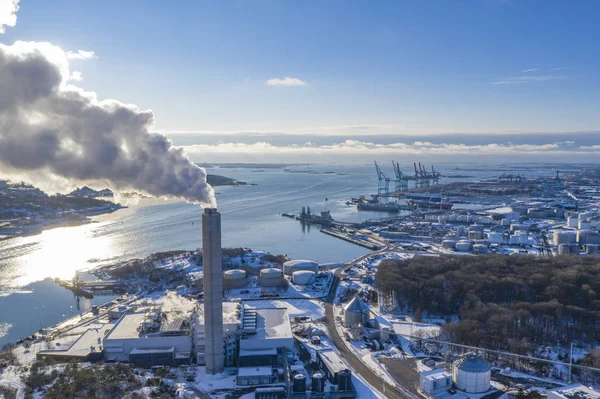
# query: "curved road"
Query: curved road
{"points": [[389, 391]]}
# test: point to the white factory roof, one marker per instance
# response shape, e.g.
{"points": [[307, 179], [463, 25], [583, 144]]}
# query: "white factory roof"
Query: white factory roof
{"points": [[254, 371], [332, 360], [272, 330], [435, 374], [82, 347], [576, 391], [260, 352], [127, 326]]}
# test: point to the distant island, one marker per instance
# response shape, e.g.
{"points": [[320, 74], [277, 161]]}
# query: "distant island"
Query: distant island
{"points": [[27, 210]]}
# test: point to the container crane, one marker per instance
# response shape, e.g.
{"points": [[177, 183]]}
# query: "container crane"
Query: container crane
{"points": [[401, 180], [383, 182]]}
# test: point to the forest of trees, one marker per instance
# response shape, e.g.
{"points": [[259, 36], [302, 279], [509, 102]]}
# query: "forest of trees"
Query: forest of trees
{"points": [[502, 302]]}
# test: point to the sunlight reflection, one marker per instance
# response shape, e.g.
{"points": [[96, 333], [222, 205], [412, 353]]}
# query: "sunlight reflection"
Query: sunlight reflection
{"points": [[62, 252]]}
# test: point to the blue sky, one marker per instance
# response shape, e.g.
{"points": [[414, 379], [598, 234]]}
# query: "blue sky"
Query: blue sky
{"points": [[389, 67]]}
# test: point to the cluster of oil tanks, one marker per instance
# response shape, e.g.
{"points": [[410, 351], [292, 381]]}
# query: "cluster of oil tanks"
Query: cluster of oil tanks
{"points": [[317, 383], [569, 242], [303, 272]]}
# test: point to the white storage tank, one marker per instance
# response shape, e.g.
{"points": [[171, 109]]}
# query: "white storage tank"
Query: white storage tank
{"points": [[591, 249], [484, 220], [442, 219], [564, 249], [480, 249], [461, 218], [235, 278], [574, 249], [471, 374], [523, 237], [449, 244], [471, 218], [564, 237], [495, 237], [452, 217], [303, 277], [464, 246], [292, 266], [572, 221], [474, 234], [588, 237], [583, 225], [270, 277]]}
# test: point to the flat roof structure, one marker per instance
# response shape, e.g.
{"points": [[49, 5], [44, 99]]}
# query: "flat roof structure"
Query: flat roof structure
{"points": [[271, 328], [332, 360], [575, 391], [435, 374], [127, 327], [82, 348], [254, 371]]}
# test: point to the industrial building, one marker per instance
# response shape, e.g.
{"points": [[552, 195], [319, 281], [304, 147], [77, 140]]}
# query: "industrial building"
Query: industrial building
{"points": [[148, 338], [435, 382], [471, 374], [292, 266], [213, 290], [575, 391], [335, 369]]}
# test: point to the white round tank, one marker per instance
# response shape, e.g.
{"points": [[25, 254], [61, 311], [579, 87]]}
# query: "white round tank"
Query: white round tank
{"points": [[461, 218], [495, 237], [294, 265], [574, 248], [564, 237], [480, 249], [471, 374], [464, 245], [235, 278], [513, 239], [303, 277], [484, 220], [270, 272], [587, 237], [564, 249], [572, 221], [523, 237], [449, 244], [583, 225]]}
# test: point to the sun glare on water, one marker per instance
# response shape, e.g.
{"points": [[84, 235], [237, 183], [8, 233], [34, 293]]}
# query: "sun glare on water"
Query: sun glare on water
{"points": [[63, 251]]}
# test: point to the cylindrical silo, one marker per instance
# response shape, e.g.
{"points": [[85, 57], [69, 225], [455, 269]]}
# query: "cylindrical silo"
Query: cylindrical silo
{"points": [[471, 374], [591, 249], [270, 277], [303, 277], [480, 249], [464, 246], [564, 249], [235, 278], [318, 383], [449, 244], [299, 384]]}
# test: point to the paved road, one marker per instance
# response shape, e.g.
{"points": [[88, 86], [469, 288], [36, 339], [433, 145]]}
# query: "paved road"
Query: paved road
{"points": [[389, 391]]}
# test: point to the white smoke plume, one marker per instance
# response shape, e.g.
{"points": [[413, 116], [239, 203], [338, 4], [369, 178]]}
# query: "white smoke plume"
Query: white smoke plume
{"points": [[54, 132]]}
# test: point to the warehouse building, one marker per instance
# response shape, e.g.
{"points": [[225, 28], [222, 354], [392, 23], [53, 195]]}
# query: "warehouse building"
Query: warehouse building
{"points": [[435, 382], [149, 338]]}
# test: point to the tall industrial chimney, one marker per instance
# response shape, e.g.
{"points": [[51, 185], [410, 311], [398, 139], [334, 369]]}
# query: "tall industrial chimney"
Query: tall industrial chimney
{"points": [[213, 290]]}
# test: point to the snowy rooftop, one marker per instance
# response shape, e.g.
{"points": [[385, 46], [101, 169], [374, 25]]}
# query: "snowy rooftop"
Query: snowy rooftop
{"points": [[272, 324], [332, 360], [254, 371], [576, 391], [435, 374], [127, 326]]}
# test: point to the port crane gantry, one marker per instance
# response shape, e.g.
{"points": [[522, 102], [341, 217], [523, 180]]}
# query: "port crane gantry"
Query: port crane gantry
{"points": [[401, 179], [383, 181]]}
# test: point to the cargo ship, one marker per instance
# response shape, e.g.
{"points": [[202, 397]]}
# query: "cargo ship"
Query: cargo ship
{"points": [[378, 206], [429, 201]]}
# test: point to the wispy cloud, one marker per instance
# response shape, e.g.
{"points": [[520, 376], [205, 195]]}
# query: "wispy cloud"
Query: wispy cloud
{"points": [[81, 55], [527, 79], [287, 81], [530, 70], [8, 13], [557, 69]]}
